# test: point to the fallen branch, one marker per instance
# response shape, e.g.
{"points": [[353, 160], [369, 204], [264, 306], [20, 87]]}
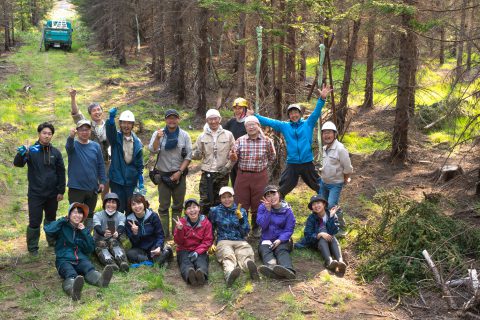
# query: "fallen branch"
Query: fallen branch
{"points": [[373, 314], [438, 278]]}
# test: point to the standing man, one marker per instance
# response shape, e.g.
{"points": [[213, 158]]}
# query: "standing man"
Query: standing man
{"points": [[99, 134], [86, 169], [255, 152], [46, 183], [336, 170], [298, 137], [214, 147], [173, 147], [126, 167]]}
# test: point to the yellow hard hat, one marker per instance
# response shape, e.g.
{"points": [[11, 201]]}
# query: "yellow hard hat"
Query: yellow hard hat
{"points": [[241, 102]]}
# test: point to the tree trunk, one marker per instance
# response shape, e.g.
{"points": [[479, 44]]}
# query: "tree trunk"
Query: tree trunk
{"points": [[290, 72], [368, 100], [202, 21], [471, 35], [34, 16], [264, 83], [178, 78], [241, 52], [441, 53], [343, 105], [461, 40], [280, 66], [158, 43], [406, 65], [302, 72]]}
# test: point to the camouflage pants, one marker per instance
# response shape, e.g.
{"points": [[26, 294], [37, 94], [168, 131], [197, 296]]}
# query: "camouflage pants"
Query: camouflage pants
{"points": [[210, 184]]}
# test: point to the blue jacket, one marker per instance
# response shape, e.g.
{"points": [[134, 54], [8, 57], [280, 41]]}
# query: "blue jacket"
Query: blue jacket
{"points": [[298, 135], [150, 232], [120, 172], [72, 245], [276, 224], [227, 225], [312, 228]]}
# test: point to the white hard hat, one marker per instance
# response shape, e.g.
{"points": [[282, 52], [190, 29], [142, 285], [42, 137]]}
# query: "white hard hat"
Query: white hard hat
{"points": [[212, 113], [127, 115], [252, 119], [329, 125]]}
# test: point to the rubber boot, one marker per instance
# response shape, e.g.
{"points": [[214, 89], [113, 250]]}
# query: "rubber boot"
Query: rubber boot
{"points": [[337, 253], [323, 246], [89, 224], [165, 257], [341, 224], [50, 240], [119, 256], [98, 279], [73, 287], [33, 235], [164, 219], [256, 229]]}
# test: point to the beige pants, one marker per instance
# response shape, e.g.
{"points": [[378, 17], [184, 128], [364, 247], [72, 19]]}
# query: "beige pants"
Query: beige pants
{"points": [[230, 253]]}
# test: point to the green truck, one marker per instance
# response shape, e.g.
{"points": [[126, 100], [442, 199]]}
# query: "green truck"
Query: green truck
{"points": [[57, 34]]}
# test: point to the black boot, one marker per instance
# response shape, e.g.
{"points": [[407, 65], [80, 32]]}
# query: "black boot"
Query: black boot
{"points": [[73, 287], [100, 279], [256, 229], [165, 257], [337, 253], [33, 235], [324, 248], [50, 240]]}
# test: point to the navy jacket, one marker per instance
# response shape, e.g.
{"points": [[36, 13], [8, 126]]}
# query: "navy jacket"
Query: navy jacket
{"points": [[46, 171], [312, 228], [150, 232]]}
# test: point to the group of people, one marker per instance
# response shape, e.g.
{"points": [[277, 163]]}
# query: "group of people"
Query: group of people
{"points": [[217, 224]]}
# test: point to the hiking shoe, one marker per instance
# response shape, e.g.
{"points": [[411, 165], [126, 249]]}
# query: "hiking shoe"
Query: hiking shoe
{"points": [[192, 278], [114, 266], [342, 267], [200, 276], [252, 269], [232, 276], [124, 267], [77, 288], [332, 266], [266, 271], [284, 272]]}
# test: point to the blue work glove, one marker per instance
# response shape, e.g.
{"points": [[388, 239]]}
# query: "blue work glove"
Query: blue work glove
{"points": [[193, 256], [113, 113], [33, 149], [22, 150], [141, 184]]}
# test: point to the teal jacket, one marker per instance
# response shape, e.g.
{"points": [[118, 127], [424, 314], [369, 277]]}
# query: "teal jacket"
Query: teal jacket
{"points": [[120, 172], [72, 245], [298, 135]]}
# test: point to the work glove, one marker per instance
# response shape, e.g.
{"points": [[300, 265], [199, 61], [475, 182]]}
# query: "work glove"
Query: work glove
{"points": [[113, 113], [238, 212], [193, 256], [212, 249], [141, 184], [22, 150], [33, 149]]}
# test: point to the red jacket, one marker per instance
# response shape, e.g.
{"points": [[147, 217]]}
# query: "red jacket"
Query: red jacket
{"points": [[197, 239]]}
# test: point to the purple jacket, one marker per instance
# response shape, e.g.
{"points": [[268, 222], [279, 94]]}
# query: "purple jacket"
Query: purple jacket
{"points": [[277, 223]]}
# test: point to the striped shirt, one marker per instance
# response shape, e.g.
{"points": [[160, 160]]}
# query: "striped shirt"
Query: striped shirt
{"points": [[254, 155]]}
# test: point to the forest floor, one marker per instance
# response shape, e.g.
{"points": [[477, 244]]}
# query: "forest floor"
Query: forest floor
{"points": [[30, 287]]}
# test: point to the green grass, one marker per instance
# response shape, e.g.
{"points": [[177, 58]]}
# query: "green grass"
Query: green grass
{"points": [[360, 143]]}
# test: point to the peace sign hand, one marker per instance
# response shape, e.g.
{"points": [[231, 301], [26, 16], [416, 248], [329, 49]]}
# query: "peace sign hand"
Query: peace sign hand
{"points": [[267, 204], [133, 226], [178, 224]]}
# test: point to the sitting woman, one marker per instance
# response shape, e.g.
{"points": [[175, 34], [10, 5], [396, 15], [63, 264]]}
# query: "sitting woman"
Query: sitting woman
{"points": [[193, 236], [230, 223], [74, 244], [276, 219], [320, 230], [145, 232], [109, 226]]}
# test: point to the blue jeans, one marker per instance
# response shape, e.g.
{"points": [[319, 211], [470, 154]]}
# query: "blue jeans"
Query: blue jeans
{"points": [[331, 192], [68, 270]]}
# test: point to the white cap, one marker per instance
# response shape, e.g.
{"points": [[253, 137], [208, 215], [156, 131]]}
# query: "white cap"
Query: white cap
{"points": [[226, 189], [84, 122], [127, 115], [252, 119], [212, 113], [329, 125]]}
